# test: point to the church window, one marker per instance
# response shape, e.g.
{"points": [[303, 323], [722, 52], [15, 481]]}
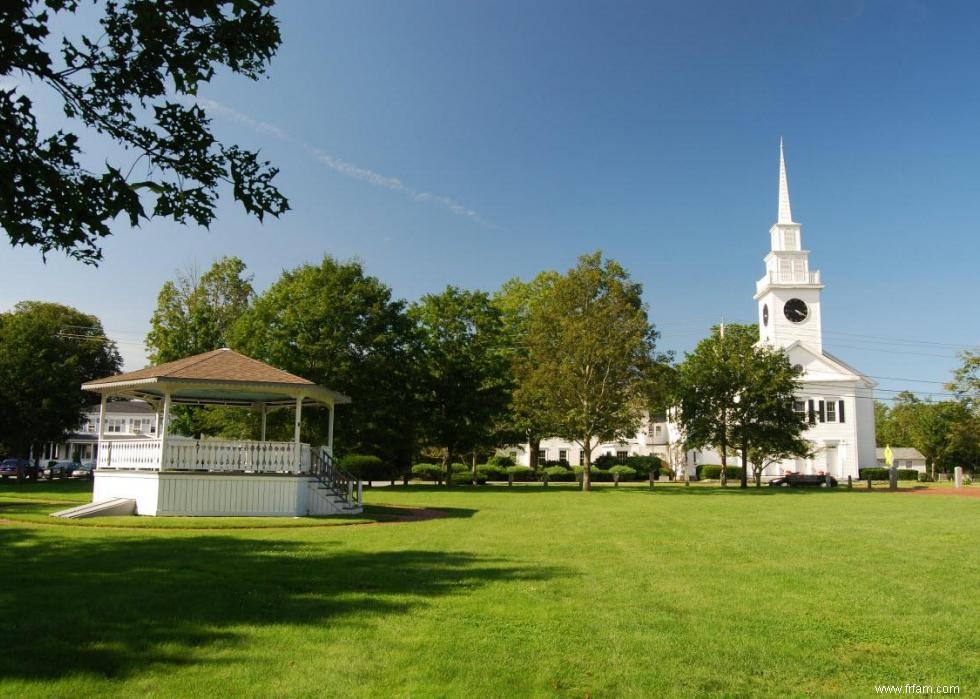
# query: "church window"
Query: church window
{"points": [[798, 270], [831, 410], [785, 269]]}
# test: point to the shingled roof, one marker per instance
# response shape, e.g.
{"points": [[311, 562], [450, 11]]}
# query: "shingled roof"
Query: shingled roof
{"points": [[217, 365], [220, 376]]}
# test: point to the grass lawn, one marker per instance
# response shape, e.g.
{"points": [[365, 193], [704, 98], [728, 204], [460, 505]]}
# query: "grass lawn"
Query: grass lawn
{"points": [[522, 591]]}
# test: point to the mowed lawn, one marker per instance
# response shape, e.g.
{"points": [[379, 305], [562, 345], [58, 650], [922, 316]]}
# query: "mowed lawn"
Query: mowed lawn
{"points": [[523, 591]]}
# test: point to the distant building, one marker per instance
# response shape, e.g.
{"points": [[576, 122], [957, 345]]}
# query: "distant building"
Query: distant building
{"points": [[125, 419], [903, 457]]}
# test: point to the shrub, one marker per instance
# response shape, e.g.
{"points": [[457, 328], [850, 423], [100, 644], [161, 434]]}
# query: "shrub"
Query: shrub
{"points": [[558, 473], [605, 461], [492, 472], [501, 460], [626, 473], [366, 467], [521, 473], [665, 471], [875, 474], [644, 464], [925, 478], [907, 474], [430, 472], [460, 468], [713, 471]]}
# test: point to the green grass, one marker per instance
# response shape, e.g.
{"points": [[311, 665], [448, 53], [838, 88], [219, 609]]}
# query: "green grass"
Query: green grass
{"points": [[523, 591]]}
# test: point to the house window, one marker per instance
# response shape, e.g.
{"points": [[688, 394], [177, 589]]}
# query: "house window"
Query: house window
{"points": [[92, 425], [115, 424], [799, 407], [658, 430], [563, 455], [621, 456], [831, 409]]}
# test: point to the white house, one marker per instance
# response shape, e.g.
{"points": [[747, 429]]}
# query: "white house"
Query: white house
{"points": [[902, 457], [125, 419], [837, 399]]}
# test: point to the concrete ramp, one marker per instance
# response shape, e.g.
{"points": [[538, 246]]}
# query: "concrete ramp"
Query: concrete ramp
{"points": [[107, 508]]}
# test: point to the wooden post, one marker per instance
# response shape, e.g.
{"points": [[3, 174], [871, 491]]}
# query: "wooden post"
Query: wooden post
{"points": [[330, 431], [893, 478], [616, 479], [651, 478], [869, 481], [296, 425], [849, 485], [164, 428]]}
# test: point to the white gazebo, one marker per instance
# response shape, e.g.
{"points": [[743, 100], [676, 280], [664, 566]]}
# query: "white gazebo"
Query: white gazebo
{"points": [[175, 475]]}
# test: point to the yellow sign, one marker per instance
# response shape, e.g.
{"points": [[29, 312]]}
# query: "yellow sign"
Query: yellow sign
{"points": [[889, 458]]}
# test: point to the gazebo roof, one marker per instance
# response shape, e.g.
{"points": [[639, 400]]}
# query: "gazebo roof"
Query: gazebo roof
{"points": [[222, 377]]}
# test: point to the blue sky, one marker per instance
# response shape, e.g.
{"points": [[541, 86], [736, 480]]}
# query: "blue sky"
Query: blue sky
{"points": [[465, 143]]}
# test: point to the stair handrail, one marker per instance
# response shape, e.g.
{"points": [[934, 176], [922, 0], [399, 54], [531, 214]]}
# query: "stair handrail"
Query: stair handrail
{"points": [[342, 483]]}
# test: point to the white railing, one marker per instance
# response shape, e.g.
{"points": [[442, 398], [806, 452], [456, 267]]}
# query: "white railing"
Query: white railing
{"points": [[787, 278], [183, 454]]}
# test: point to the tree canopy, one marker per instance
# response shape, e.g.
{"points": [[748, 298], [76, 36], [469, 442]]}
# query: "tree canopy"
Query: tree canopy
{"points": [[464, 382], [593, 350], [49, 351], [133, 81]]}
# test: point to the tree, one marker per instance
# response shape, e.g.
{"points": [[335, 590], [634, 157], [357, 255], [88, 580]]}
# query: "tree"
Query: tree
{"points": [[529, 417], [732, 393], [195, 314], [966, 381], [134, 84], [593, 349], [339, 327], [49, 351], [464, 382]]}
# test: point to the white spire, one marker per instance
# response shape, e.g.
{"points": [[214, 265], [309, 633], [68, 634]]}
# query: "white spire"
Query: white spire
{"points": [[785, 213]]}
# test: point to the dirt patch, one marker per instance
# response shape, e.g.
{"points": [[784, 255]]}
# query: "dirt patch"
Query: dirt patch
{"points": [[962, 492]]}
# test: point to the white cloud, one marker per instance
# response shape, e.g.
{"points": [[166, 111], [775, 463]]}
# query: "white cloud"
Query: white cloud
{"points": [[341, 166]]}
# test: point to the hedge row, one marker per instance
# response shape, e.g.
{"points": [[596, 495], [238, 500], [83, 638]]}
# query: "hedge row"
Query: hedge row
{"points": [[713, 471], [881, 474]]}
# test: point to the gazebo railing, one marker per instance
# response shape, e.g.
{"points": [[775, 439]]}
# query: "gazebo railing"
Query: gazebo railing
{"points": [[213, 455]]}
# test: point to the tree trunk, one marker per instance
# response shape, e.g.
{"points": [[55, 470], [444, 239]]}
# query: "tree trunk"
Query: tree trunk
{"points": [[724, 457], [534, 450], [745, 462], [586, 476], [474, 468]]}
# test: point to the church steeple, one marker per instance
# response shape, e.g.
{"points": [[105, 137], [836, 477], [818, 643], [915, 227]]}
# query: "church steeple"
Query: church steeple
{"points": [[785, 213]]}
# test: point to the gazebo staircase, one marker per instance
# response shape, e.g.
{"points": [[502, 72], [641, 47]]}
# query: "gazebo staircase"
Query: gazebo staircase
{"points": [[336, 491]]}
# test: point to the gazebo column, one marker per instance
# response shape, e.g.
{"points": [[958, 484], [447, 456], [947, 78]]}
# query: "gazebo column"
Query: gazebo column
{"points": [[164, 428], [102, 426], [330, 431], [262, 410], [299, 417]]}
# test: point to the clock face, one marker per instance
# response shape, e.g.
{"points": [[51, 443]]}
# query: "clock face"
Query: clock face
{"points": [[796, 311], [765, 314]]}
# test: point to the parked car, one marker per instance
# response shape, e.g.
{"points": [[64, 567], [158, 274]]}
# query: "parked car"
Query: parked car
{"points": [[9, 468], [83, 470], [802, 480], [58, 469]]}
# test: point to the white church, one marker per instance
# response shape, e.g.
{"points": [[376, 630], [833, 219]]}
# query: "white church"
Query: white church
{"points": [[837, 398]]}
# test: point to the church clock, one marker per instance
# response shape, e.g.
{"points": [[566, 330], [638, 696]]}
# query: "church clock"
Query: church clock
{"points": [[796, 310]]}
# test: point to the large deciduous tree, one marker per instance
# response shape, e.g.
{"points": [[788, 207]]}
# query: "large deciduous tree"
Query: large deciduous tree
{"points": [[47, 351], [132, 80], [339, 327], [464, 371], [195, 314], [966, 381], [593, 349], [735, 395], [529, 419]]}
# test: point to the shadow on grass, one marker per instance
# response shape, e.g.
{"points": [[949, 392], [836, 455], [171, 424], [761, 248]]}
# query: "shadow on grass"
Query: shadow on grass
{"points": [[118, 606], [604, 488]]}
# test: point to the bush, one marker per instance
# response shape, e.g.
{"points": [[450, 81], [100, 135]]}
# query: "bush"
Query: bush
{"points": [[558, 473], [428, 472], [492, 472], [521, 473], [713, 471], [460, 468], [644, 464], [366, 467], [875, 474], [625, 472], [925, 478], [501, 460], [908, 474], [605, 461]]}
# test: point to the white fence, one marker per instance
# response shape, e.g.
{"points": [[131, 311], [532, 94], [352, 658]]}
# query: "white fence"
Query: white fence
{"points": [[214, 455]]}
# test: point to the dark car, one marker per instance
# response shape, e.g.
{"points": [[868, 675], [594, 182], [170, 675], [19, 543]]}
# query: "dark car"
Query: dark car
{"points": [[802, 480], [82, 470], [10, 467], [59, 469]]}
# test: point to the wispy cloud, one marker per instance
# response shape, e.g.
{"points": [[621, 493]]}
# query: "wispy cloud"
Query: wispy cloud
{"points": [[341, 166]]}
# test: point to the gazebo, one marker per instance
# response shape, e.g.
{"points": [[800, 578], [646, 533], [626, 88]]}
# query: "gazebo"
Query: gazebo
{"points": [[176, 475]]}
